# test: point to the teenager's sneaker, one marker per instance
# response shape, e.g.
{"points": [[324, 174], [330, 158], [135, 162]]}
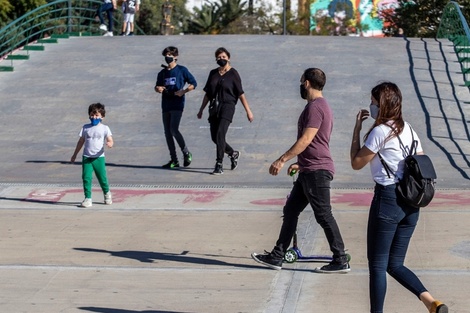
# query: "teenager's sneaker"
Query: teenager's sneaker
{"points": [[218, 170], [234, 159], [268, 259], [188, 157], [108, 34], [86, 203], [122, 34], [131, 34], [107, 198], [334, 267], [171, 164], [104, 27]]}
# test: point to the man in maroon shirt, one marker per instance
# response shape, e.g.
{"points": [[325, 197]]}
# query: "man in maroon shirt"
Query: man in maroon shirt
{"points": [[316, 169]]}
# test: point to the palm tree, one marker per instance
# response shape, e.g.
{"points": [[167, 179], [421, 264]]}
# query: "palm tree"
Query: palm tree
{"points": [[214, 17]]}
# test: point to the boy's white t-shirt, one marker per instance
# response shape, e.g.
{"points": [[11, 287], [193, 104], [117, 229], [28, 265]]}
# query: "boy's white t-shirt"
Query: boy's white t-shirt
{"points": [[391, 151], [95, 138]]}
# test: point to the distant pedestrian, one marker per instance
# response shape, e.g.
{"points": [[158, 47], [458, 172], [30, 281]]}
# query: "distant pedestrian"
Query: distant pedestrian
{"points": [[223, 89], [316, 169], [108, 6], [93, 137], [129, 9], [391, 221], [171, 82]]}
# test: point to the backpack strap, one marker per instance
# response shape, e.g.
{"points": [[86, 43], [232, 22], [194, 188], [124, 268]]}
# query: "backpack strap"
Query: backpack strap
{"points": [[411, 151]]}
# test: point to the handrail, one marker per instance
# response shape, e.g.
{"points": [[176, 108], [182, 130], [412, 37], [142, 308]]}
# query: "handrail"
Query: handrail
{"points": [[71, 17], [454, 27]]}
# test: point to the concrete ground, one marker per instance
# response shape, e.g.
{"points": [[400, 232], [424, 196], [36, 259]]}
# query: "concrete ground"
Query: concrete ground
{"points": [[180, 241]]}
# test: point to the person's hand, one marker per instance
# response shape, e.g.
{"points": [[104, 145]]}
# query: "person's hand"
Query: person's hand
{"points": [[293, 167], [199, 114], [159, 89], [361, 116], [250, 116], [180, 93], [275, 167], [72, 159], [109, 144]]}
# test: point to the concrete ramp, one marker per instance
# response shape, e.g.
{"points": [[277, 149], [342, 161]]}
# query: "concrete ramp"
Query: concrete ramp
{"points": [[44, 103]]}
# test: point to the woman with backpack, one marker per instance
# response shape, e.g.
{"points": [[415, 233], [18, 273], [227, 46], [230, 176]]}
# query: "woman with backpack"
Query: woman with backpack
{"points": [[391, 221]]}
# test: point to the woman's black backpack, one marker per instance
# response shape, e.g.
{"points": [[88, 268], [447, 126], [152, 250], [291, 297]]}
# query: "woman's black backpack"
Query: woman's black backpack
{"points": [[416, 187]]}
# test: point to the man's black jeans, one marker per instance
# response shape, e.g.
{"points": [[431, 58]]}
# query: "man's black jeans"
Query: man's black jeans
{"points": [[314, 188]]}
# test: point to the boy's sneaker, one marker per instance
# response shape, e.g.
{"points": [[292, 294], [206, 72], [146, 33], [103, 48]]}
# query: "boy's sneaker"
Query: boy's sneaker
{"points": [[122, 34], [171, 164], [86, 203], [218, 170], [334, 267], [107, 198], [104, 27], [234, 159], [188, 157], [108, 34], [268, 259], [131, 34]]}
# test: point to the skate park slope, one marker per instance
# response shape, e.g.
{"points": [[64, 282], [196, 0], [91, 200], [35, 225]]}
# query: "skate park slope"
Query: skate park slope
{"points": [[179, 241]]}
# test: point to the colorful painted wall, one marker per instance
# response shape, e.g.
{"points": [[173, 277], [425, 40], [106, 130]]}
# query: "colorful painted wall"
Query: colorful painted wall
{"points": [[365, 11]]}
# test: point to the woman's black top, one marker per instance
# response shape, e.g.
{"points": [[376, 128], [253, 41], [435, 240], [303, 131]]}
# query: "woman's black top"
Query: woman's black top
{"points": [[227, 88]]}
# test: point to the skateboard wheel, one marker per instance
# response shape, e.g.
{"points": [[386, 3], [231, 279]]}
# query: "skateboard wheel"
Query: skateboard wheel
{"points": [[348, 256], [290, 256]]}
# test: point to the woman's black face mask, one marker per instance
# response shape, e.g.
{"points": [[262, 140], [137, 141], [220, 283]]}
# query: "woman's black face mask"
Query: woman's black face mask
{"points": [[222, 62]]}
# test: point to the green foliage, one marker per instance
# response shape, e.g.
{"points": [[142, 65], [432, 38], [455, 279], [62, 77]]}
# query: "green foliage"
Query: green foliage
{"points": [[150, 16], [417, 18], [259, 23], [5, 9], [22, 7], [216, 17]]}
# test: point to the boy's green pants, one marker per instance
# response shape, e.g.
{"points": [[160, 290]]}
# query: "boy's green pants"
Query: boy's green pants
{"points": [[97, 165]]}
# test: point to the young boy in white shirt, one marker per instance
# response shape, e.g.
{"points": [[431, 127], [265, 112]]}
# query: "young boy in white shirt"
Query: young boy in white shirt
{"points": [[93, 137]]}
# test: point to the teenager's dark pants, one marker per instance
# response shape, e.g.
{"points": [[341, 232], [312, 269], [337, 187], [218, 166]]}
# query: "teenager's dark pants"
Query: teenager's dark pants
{"points": [[390, 227], [314, 188], [219, 128], [108, 8], [171, 124]]}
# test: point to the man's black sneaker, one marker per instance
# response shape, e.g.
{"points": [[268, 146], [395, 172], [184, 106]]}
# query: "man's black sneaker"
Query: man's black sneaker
{"points": [[188, 157], [218, 170], [171, 164], [268, 260], [334, 268], [234, 159]]}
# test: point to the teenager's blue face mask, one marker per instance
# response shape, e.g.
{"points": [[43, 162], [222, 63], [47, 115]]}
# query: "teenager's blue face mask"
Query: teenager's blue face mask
{"points": [[95, 121]]}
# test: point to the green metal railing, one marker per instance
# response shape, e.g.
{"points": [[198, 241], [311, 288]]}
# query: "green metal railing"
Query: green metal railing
{"points": [[454, 27], [57, 19]]}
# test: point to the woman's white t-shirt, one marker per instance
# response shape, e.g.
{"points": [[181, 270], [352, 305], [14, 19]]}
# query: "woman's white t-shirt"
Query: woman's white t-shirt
{"points": [[391, 151]]}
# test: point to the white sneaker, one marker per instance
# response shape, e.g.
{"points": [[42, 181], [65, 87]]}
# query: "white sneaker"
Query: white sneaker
{"points": [[104, 27], [86, 203], [109, 34], [107, 198]]}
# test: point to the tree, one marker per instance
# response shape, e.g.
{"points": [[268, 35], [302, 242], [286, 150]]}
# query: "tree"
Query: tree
{"points": [[216, 17], [21, 7], [204, 20], [5, 9], [417, 18], [261, 22], [150, 16]]}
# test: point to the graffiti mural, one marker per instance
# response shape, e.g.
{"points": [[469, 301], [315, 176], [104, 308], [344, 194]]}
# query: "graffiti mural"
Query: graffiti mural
{"points": [[363, 16]]}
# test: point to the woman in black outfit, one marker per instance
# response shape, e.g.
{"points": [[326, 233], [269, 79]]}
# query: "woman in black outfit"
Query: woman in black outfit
{"points": [[223, 88]]}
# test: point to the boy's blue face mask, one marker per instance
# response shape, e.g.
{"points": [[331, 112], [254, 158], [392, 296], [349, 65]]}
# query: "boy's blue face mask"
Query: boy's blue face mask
{"points": [[95, 121]]}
